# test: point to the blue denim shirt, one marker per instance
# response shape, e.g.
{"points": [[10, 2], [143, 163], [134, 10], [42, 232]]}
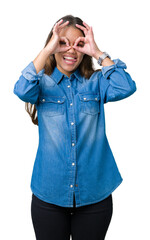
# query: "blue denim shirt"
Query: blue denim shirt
{"points": [[73, 155]]}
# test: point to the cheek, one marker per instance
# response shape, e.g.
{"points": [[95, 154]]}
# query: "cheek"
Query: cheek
{"points": [[80, 56], [57, 57]]}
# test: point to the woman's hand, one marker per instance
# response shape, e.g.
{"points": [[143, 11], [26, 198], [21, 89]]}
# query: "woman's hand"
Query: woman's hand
{"points": [[54, 45], [90, 48]]}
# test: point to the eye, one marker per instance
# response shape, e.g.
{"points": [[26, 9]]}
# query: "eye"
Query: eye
{"points": [[81, 44], [62, 42]]}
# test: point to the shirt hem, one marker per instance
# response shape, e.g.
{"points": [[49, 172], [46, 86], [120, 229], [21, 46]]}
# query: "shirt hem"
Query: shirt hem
{"points": [[102, 198], [34, 191]]}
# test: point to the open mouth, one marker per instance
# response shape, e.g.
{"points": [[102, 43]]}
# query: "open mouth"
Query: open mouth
{"points": [[69, 60]]}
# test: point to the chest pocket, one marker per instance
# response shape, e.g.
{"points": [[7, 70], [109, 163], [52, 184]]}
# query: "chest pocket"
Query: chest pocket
{"points": [[89, 103], [51, 105]]}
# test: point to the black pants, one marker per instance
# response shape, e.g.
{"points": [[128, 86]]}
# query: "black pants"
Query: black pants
{"points": [[89, 222]]}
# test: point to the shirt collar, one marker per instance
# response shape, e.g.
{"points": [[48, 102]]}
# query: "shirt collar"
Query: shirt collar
{"points": [[58, 75]]}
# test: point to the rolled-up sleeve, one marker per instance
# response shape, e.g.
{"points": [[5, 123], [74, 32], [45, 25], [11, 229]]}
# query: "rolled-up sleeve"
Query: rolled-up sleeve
{"points": [[115, 82], [27, 88]]}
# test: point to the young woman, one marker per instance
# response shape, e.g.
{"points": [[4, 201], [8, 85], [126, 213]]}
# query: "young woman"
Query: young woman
{"points": [[74, 172]]}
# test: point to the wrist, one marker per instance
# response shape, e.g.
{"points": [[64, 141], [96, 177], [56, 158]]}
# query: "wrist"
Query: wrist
{"points": [[97, 54], [46, 52]]}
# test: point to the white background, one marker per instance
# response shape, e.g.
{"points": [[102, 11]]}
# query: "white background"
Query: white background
{"points": [[122, 29]]}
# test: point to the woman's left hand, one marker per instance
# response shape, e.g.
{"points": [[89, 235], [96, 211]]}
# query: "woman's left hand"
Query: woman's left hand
{"points": [[90, 47]]}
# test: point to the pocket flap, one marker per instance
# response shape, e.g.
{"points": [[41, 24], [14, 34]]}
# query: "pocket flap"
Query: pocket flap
{"points": [[54, 99], [88, 97]]}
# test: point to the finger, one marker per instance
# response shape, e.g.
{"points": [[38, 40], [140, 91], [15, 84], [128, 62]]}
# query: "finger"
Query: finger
{"points": [[63, 24], [87, 26], [81, 27], [64, 49], [79, 49], [64, 39], [91, 29], [78, 40], [55, 27], [57, 24], [59, 27]]}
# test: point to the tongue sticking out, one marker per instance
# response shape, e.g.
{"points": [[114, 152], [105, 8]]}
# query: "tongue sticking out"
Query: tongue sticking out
{"points": [[69, 60]]}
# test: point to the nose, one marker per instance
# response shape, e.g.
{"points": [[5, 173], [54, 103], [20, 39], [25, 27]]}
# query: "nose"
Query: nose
{"points": [[71, 49]]}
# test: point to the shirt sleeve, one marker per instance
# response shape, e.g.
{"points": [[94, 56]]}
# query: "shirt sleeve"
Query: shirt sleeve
{"points": [[27, 88], [115, 83]]}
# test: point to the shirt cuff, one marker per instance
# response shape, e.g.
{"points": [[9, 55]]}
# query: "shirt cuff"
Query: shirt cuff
{"points": [[30, 72], [107, 70]]}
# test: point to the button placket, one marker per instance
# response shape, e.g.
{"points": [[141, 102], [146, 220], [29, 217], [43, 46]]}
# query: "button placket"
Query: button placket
{"points": [[73, 135]]}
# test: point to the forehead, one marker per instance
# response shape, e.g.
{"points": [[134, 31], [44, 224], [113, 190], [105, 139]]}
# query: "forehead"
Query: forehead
{"points": [[71, 33]]}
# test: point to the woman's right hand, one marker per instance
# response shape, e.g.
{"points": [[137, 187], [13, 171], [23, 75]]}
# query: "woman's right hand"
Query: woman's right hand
{"points": [[54, 45]]}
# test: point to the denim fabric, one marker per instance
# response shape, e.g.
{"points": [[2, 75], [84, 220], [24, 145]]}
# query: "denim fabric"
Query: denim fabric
{"points": [[73, 155]]}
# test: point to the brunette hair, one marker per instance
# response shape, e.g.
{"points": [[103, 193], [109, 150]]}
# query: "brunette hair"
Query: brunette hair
{"points": [[86, 67]]}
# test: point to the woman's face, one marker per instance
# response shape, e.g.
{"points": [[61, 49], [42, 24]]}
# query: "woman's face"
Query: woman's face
{"points": [[68, 66]]}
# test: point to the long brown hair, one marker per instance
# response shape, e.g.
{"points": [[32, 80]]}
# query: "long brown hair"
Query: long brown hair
{"points": [[86, 67]]}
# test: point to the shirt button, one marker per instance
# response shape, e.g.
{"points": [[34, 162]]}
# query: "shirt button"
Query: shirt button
{"points": [[72, 123], [73, 144], [71, 104], [76, 185], [58, 101], [43, 100], [95, 98], [71, 185], [84, 98], [73, 164], [68, 86]]}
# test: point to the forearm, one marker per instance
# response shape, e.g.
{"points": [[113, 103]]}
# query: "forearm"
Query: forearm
{"points": [[40, 61], [115, 82], [106, 62]]}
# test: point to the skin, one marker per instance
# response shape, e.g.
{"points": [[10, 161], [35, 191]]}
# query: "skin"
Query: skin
{"points": [[69, 40], [71, 34]]}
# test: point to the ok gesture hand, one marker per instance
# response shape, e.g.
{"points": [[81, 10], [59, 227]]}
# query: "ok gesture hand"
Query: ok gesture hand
{"points": [[54, 45], [90, 48]]}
